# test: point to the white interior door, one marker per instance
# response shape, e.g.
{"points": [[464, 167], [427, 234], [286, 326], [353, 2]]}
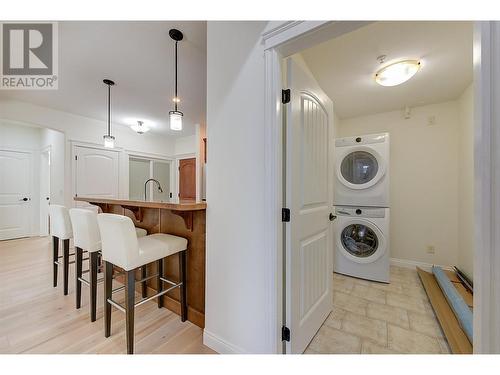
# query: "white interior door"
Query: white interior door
{"points": [[309, 196], [15, 194], [96, 172], [44, 192]]}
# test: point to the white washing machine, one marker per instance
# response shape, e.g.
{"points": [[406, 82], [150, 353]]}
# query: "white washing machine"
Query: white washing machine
{"points": [[361, 237], [362, 171]]}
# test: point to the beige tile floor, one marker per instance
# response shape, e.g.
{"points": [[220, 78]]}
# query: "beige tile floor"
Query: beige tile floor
{"points": [[375, 318]]}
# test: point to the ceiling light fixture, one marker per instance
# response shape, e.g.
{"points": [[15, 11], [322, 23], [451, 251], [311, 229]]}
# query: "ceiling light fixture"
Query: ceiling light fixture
{"points": [[109, 140], [140, 128], [396, 73], [176, 115]]}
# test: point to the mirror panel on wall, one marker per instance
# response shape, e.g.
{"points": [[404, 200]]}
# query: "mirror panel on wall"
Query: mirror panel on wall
{"points": [[140, 170], [161, 172]]}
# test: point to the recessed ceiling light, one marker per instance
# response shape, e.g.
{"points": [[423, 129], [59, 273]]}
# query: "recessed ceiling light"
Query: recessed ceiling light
{"points": [[140, 128], [397, 73]]}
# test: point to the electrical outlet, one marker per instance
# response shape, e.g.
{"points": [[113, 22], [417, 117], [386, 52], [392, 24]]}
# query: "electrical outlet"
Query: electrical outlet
{"points": [[431, 249]]}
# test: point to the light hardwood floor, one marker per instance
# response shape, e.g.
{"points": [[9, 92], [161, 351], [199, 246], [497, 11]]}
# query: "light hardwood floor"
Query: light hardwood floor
{"points": [[37, 318]]}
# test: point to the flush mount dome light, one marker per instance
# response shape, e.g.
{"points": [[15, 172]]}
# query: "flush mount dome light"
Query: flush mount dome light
{"points": [[140, 128], [396, 73]]}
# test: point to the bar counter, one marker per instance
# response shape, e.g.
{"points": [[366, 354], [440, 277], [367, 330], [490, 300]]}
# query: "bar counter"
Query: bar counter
{"points": [[183, 218]]}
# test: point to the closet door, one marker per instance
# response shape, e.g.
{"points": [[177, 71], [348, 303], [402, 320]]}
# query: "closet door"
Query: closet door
{"points": [[96, 172], [16, 209]]}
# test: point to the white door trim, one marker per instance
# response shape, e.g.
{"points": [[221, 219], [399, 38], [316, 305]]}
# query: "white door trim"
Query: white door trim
{"points": [[486, 187], [289, 37], [42, 197]]}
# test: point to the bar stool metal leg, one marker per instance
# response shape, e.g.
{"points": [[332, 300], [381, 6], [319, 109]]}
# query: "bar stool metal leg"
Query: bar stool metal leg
{"points": [[93, 265], [78, 271], [66, 265], [160, 282], [129, 309], [108, 280], [183, 294], [55, 256], [144, 286]]}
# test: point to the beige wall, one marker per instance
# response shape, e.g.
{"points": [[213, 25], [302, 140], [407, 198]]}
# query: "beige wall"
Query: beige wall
{"points": [[424, 179], [466, 183]]}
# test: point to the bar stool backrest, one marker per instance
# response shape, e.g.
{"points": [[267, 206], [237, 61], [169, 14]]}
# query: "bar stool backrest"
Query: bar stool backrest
{"points": [[60, 222], [85, 229], [119, 240]]}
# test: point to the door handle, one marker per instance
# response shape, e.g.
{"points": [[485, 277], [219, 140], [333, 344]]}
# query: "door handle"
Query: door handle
{"points": [[24, 199], [332, 217]]}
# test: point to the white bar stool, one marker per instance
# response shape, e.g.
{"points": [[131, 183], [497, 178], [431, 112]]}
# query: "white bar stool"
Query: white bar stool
{"points": [[122, 248], [87, 238], [60, 228]]}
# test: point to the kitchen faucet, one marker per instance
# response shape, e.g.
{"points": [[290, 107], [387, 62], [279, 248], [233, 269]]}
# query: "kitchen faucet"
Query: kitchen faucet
{"points": [[145, 189]]}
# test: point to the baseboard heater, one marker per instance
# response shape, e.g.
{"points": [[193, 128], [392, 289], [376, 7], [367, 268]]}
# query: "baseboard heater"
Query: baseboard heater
{"points": [[452, 311]]}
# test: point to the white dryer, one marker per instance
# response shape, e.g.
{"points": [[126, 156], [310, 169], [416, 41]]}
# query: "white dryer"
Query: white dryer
{"points": [[362, 171], [361, 238]]}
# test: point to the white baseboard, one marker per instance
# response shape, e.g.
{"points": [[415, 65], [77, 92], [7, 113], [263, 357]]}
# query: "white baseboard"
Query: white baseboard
{"points": [[406, 263], [214, 342]]}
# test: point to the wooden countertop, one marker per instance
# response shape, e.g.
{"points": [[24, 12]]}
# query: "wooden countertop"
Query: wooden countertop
{"points": [[175, 206]]}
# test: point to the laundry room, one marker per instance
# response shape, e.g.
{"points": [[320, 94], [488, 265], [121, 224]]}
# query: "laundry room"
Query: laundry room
{"points": [[402, 158]]}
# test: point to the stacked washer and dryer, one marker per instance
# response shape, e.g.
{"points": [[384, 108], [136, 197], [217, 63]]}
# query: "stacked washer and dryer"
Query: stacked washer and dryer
{"points": [[361, 199]]}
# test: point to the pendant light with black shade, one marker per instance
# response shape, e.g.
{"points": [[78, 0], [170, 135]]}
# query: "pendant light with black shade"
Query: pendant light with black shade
{"points": [[109, 140], [176, 115]]}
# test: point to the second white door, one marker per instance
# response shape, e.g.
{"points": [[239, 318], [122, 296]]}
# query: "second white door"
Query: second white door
{"points": [[309, 193], [16, 170]]}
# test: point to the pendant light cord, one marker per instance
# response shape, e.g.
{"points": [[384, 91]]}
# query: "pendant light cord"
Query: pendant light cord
{"points": [[109, 110], [176, 97]]}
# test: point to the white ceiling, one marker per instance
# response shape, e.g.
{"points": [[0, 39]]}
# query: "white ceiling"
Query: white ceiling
{"points": [[345, 66], [139, 57]]}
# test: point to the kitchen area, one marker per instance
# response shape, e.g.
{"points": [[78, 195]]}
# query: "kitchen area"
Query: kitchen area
{"points": [[126, 147]]}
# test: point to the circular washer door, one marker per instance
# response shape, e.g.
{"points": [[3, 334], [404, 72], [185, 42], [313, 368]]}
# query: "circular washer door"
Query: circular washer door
{"points": [[360, 167], [361, 241]]}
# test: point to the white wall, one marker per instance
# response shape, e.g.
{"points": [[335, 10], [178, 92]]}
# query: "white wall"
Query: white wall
{"points": [[83, 129], [185, 145], [424, 185], [466, 183], [237, 313]]}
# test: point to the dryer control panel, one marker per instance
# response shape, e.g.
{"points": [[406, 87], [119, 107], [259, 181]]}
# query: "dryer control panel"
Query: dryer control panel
{"points": [[368, 212], [362, 140]]}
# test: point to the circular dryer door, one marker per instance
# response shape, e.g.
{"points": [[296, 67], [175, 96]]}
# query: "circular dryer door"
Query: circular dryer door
{"points": [[360, 167], [361, 241]]}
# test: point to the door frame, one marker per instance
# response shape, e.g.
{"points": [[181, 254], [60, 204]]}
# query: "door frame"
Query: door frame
{"points": [[44, 150], [282, 39]]}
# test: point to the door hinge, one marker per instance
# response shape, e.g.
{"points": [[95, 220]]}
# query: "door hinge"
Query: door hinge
{"points": [[285, 215], [285, 96], [76, 157], [285, 333]]}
